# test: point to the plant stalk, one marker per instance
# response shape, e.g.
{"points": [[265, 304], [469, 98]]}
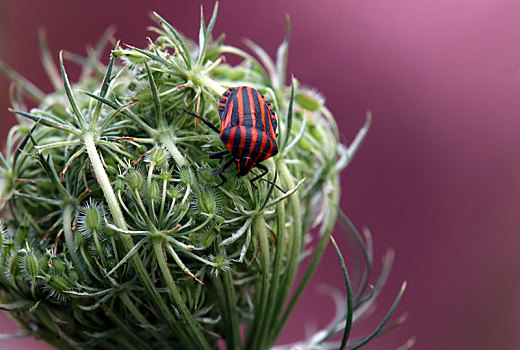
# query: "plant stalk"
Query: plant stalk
{"points": [[255, 340], [69, 239], [119, 220], [192, 330]]}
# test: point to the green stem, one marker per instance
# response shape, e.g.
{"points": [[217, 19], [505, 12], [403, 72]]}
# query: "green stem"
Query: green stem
{"points": [[130, 339], [43, 314], [151, 209], [255, 340], [69, 240], [163, 202], [166, 140], [294, 244], [320, 249], [43, 333], [273, 311], [99, 249], [227, 298], [211, 85], [89, 266], [103, 180], [229, 292], [119, 220], [192, 329]]}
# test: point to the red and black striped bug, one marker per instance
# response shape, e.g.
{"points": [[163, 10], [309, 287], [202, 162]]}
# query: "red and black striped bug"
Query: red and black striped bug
{"points": [[248, 129]]}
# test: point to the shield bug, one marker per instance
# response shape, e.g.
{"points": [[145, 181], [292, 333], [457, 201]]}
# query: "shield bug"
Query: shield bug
{"points": [[247, 129]]}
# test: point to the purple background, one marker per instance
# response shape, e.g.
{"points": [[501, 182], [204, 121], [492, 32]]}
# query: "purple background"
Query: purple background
{"points": [[438, 178]]}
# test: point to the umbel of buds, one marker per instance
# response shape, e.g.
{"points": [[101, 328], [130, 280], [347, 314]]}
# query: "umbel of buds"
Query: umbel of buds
{"points": [[114, 233]]}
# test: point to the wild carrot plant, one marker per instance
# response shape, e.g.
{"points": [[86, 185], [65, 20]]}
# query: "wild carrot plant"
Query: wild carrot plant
{"points": [[114, 233]]}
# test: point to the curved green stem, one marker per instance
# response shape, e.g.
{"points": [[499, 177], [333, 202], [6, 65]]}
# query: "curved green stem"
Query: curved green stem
{"points": [[320, 249], [192, 329], [142, 319], [257, 328], [211, 85], [103, 180], [119, 220], [69, 239], [294, 244], [272, 311], [227, 298], [99, 249], [172, 148]]}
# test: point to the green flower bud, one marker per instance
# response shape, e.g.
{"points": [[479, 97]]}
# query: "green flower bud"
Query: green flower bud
{"points": [[58, 266], [309, 100], [31, 265], [93, 219], [131, 55], [141, 149], [173, 192], [154, 191], [185, 175], [111, 260], [14, 264], [160, 40], [119, 184], [145, 96], [221, 264], [159, 157], [160, 247], [304, 145], [194, 239], [6, 185], [135, 180], [183, 207], [230, 73], [8, 247], [110, 162], [57, 285], [164, 176], [206, 201], [44, 263], [205, 174], [111, 169], [317, 132], [73, 274]]}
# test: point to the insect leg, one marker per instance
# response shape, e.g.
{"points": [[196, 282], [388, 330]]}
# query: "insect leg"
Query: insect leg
{"points": [[222, 169], [219, 155], [261, 167], [260, 176], [205, 121]]}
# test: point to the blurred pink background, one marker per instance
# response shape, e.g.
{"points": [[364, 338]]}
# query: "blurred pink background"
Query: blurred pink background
{"points": [[438, 178]]}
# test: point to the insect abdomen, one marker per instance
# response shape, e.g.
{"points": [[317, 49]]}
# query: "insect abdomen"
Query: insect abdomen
{"points": [[248, 124], [243, 141]]}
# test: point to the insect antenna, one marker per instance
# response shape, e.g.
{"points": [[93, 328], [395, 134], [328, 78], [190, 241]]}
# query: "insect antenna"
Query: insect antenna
{"points": [[205, 121], [272, 183]]}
